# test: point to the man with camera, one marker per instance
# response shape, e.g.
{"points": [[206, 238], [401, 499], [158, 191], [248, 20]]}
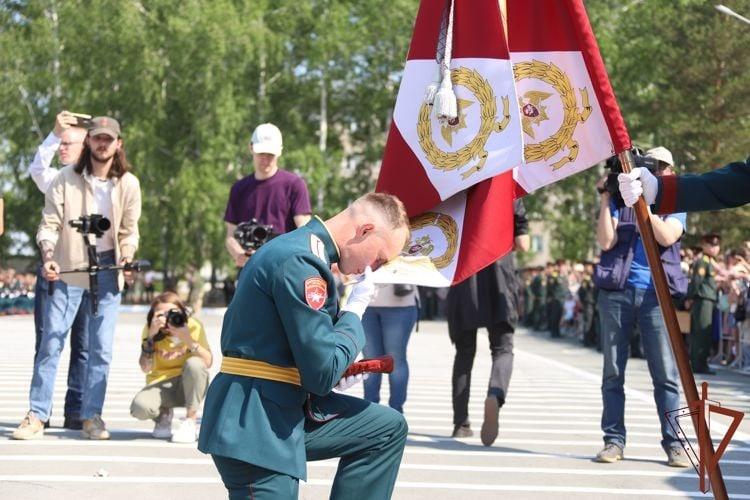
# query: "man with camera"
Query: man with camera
{"points": [[66, 139], [626, 297], [276, 200], [98, 187], [286, 344], [175, 356]]}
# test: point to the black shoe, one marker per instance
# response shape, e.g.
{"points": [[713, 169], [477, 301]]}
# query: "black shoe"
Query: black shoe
{"points": [[73, 422], [490, 425], [46, 424], [462, 431]]}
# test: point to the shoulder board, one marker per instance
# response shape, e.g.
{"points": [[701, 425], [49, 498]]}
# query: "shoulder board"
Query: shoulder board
{"points": [[318, 248]]}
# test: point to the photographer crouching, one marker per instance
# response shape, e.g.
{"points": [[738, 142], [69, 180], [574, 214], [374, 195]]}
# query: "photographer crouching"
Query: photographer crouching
{"points": [[175, 357]]}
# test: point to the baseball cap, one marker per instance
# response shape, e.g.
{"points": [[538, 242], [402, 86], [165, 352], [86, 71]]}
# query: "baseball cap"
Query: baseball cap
{"points": [[267, 139], [662, 154], [105, 125]]}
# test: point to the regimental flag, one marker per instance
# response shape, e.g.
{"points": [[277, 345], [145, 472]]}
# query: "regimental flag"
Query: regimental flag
{"points": [[457, 238], [427, 160], [570, 118]]}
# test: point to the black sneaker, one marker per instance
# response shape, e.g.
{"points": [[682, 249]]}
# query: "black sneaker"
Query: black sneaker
{"points": [[462, 431], [73, 422]]}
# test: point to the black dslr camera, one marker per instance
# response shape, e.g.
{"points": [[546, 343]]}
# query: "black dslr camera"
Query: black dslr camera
{"points": [[252, 235], [174, 317], [95, 224], [612, 186]]}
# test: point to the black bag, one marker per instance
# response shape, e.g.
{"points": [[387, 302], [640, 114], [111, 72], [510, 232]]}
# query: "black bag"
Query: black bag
{"points": [[740, 314], [402, 289]]}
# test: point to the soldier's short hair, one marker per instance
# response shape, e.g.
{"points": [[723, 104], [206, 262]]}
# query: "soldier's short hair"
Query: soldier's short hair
{"points": [[390, 206]]}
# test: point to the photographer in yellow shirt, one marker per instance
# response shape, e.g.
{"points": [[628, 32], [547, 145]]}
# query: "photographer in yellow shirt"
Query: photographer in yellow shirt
{"points": [[175, 356]]}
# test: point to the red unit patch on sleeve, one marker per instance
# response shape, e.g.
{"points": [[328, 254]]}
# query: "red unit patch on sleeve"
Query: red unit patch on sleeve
{"points": [[316, 292]]}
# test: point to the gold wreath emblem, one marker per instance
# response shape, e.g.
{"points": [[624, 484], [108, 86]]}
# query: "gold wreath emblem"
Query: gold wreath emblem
{"points": [[447, 226], [563, 138], [445, 161]]}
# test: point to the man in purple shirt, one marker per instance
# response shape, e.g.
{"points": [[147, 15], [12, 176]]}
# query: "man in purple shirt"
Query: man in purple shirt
{"points": [[272, 196]]}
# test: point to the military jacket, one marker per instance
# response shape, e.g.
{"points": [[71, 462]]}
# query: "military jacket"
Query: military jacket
{"points": [[538, 288], [555, 288], [722, 188], [702, 283], [284, 312]]}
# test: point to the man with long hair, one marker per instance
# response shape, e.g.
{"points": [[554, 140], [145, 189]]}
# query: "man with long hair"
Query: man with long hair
{"points": [[99, 183]]}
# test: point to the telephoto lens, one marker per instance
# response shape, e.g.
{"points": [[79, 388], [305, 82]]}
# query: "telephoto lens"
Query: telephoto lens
{"points": [[176, 318]]}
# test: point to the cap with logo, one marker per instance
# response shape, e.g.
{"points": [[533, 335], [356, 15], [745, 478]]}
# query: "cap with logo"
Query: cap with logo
{"points": [[662, 154], [267, 139], [104, 125]]}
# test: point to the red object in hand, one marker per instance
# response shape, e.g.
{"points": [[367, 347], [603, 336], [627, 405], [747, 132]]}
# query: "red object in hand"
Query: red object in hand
{"points": [[383, 364]]}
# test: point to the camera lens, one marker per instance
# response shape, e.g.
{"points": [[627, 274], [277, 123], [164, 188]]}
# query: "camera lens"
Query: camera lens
{"points": [[102, 225], [176, 318]]}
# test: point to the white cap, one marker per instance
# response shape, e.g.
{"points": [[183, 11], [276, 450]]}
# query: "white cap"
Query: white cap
{"points": [[267, 139], [662, 154]]}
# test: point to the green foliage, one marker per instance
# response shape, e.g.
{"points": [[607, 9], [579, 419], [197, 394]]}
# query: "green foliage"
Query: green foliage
{"points": [[190, 79]]}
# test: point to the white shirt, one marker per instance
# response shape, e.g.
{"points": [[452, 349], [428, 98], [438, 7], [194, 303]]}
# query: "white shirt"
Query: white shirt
{"points": [[103, 205], [39, 169]]}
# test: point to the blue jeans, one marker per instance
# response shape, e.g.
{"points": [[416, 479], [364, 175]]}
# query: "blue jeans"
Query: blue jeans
{"points": [[387, 331], [618, 313], [79, 345], [60, 313]]}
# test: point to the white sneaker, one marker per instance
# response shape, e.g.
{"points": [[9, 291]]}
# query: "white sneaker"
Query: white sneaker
{"points": [[163, 427], [185, 431]]}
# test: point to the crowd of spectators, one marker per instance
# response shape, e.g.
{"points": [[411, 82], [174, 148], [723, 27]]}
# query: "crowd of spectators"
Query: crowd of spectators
{"points": [[16, 292], [579, 317]]}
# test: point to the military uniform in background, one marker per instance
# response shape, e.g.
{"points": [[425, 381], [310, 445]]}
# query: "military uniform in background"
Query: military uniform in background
{"points": [[555, 299], [539, 299], [587, 294], [704, 294]]}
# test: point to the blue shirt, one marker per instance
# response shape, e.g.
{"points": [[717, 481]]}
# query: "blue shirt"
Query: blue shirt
{"points": [[640, 274]]}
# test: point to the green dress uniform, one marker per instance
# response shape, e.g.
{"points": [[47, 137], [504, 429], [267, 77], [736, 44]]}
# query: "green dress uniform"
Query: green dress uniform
{"points": [[702, 290], [587, 294], [555, 299], [284, 324], [538, 291], [726, 187]]}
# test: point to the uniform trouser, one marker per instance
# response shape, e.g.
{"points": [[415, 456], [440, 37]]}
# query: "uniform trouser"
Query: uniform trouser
{"points": [[368, 437], [501, 346], [537, 315], [701, 321], [187, 390], [554, 315], [590, 336], [79, 345]]}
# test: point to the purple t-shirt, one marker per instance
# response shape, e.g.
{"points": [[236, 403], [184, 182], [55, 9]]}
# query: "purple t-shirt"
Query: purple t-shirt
{"points": [[274, 201]]}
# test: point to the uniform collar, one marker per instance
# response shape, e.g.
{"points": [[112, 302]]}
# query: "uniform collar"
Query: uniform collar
{"points": [[319, 229]]}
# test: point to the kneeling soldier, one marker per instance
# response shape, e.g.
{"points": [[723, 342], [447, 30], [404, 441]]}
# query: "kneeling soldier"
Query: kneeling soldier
{"points": [[286, 345]]}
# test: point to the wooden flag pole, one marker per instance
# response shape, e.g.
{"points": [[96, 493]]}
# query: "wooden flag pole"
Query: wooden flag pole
{"points": [[653, 256]]}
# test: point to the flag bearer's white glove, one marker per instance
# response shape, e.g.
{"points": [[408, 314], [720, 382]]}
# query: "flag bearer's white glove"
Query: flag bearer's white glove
{"points": [[361, 294], [638, 181], [350, 381]]}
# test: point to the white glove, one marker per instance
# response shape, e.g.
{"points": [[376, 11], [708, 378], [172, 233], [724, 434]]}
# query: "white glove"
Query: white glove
{"points": [[361, 294], [638, 181], [350, 381]]}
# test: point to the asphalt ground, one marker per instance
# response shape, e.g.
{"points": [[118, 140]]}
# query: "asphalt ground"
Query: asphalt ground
{"points": [[549, 430]]}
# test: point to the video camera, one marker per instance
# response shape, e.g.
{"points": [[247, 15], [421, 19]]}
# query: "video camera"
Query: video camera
{"points": [[95, 224], [612, 186], [252, 235]]}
